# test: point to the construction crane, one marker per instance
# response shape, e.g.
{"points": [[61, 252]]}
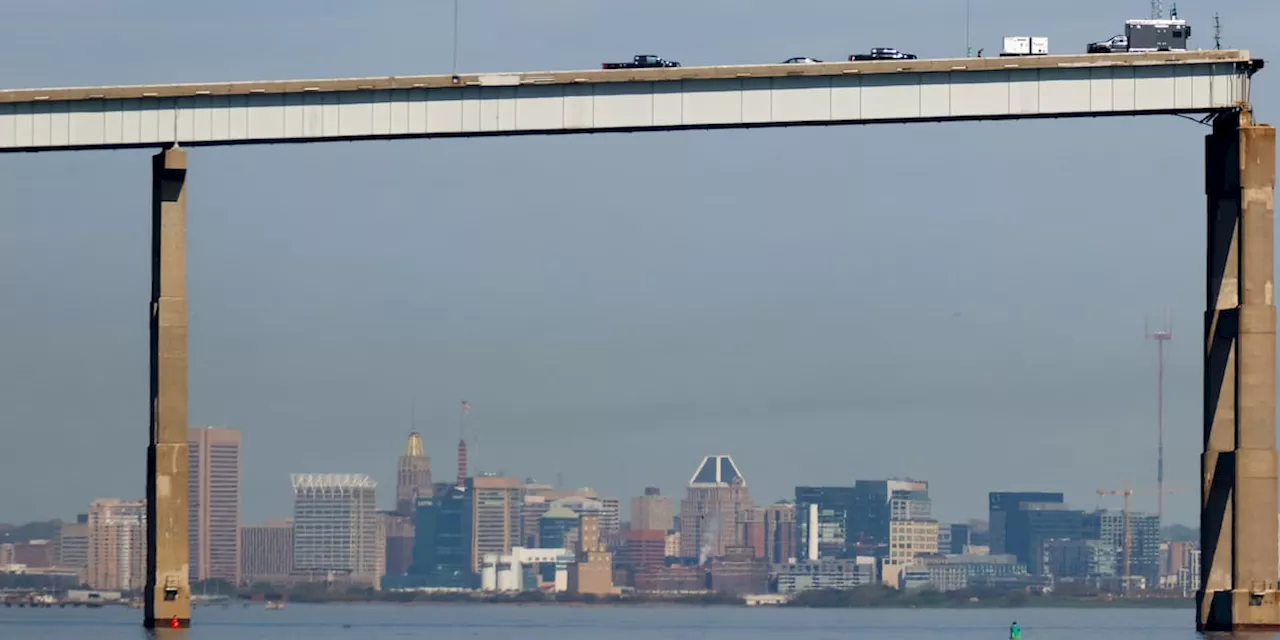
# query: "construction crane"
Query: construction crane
{"points": [[1126, 493]]}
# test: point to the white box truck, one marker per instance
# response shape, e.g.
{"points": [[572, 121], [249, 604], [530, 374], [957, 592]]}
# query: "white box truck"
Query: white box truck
{"points": [[1025, 46]]}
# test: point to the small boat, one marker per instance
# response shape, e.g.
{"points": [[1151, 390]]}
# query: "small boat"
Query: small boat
{"points": [[273, 605]]}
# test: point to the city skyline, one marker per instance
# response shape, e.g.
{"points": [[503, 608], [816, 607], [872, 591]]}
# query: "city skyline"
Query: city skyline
{"points": [[842, 324], [873, 530]]}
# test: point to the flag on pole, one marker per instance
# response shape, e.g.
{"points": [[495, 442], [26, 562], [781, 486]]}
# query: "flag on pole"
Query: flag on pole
{"points": [[466, 407]]}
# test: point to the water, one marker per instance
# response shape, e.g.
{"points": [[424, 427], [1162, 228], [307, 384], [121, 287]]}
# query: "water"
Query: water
{"points": [[506, 622]]}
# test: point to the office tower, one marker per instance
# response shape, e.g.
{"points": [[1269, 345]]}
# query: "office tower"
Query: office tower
{"points": [[1001, 502], [592, 573], [266, 552], [652, 511], [835, 507], [878, 502], [554, 527], [335, 526], [444, 538], [399, 542], [717, 492], [769, 532], [1029, 525], [117, 555], [498, 503], [413, 477], [1144, 533], [214, 489], [73, 543]]}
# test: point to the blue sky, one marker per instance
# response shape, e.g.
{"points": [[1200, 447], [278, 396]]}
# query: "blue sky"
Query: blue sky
{"points": [[962, 303]]}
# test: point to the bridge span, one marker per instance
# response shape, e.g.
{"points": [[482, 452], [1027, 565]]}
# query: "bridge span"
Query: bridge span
{"points": [[561, 102]]}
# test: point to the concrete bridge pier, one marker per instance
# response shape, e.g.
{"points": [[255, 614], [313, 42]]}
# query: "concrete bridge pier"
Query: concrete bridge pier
{"points": [[168, 591], [1240, 563]]}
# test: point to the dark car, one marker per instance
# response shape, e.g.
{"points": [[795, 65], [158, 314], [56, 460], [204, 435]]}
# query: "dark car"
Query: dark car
{"points": [[883, 53], [642, 61]]}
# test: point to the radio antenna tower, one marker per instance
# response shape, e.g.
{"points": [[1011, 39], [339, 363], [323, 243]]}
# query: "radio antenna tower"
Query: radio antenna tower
{"points": [[1161, 336], [1157, 9], [1217, 32]]}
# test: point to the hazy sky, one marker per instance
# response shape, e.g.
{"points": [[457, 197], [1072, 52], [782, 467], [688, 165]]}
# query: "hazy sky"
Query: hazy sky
{"points": [[962, 303]]}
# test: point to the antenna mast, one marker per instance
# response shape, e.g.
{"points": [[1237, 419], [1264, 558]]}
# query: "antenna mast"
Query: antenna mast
{"points": [[1157, 9], [1160, 336], [1217, 32]]}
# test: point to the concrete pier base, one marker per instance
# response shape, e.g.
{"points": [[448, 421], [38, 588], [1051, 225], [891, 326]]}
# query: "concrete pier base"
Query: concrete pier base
{"points": [[168, 592], [1240, 562]]}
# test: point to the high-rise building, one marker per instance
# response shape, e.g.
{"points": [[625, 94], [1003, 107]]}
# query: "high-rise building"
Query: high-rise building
{"points": [[266, 552], [399, 542], [1000, 503], [610, 517], [117, 555], [335, 526], [73, 543], [769, 532], [498, 504], [652, 511], [1031, 524], [1144, 533], [876, 503], [413, 477], [708, 515], [909, 539], [444, 538], [214, 489], [835, 506]]}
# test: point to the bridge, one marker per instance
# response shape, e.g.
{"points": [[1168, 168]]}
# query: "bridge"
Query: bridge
{"points": [[623, 100], [1239, 508]]}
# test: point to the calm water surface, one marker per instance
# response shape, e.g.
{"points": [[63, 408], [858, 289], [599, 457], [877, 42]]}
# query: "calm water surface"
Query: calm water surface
{"points": [[377, 622]]}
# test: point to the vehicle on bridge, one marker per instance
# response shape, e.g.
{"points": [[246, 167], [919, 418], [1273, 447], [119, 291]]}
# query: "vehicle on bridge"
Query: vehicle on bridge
{"points": [[884, 53], [1025, 46], [642, 61], [801, 60], [1146, 36]]}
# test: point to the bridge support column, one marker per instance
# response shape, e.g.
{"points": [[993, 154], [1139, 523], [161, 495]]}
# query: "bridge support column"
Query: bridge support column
{"points": [[168, 592], [1240, 564]]}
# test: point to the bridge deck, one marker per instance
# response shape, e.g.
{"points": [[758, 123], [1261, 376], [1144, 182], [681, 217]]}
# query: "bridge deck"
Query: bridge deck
{"points": [[739, 96]]}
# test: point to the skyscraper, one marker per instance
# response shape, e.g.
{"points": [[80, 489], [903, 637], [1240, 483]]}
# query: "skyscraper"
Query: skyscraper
{"points": [[214, 489], [652, 511], [336, 527], [498, 503], [708, 515], [117, 544], [444, 538], [413, 477]]}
